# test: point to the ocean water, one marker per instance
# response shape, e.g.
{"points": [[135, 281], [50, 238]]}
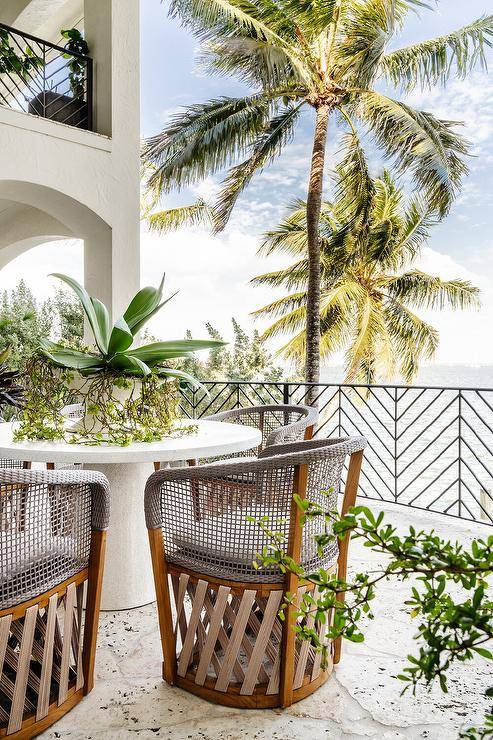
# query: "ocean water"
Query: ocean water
{"points": [[461, 376]]}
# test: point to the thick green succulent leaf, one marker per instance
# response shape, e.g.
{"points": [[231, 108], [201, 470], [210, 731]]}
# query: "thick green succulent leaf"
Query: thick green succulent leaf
{"points": [[103, 319], [161, 351], [137, 327], [121, 338], [93, 315], [70, 358], [182, 375], [143, 305], [131, 365]]}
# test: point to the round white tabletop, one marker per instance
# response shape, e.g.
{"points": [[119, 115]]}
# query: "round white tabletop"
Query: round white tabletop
{"points": [[128, 581], [210, 439]]}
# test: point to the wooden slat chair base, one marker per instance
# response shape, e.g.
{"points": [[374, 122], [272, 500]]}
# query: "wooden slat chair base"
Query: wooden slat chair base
{"points": [[226, 641], [48, 641]]}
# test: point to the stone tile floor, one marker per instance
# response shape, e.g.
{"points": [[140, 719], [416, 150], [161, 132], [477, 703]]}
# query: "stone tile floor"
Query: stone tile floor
{"points": [[360, 700]]}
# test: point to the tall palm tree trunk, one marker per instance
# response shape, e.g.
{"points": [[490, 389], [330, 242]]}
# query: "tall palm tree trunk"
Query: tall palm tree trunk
{"points": [[313, 210]]}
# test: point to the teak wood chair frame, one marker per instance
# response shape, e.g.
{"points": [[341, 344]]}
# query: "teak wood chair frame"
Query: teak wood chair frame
{"points": [[237, 610], [47, 647]]}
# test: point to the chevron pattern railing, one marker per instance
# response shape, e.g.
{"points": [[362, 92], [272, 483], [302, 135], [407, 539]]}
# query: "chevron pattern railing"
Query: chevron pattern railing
{"points": [[428, 448]]}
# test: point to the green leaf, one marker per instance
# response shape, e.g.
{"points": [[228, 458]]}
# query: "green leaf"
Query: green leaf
{"points": [[160, 351], [103, 320], [69, 357], [182, 375], [90, 310], [131, 365], [121, 337], [142, 306]]}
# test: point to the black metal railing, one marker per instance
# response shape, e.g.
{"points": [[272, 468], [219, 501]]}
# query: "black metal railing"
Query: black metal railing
{"points": [[44, 79], [428, 447]]}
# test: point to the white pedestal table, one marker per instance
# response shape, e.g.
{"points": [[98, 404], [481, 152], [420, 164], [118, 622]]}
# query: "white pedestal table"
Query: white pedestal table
{"points": [[128, 581]]}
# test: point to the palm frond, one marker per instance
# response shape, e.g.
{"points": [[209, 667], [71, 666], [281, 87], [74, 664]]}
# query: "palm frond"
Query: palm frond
{"points": [[290, 323], [417, 223], [282, 306], [419, 143], [269, 144], [354, 188], [255, 61], [365, 30], [196, 214], [293, 277], [370, 331], [422, 290], [204, 138], [211, 20], [311, 16], [434, 61], [413, 338]]}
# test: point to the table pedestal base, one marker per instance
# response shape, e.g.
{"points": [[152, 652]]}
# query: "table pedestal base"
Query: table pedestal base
{"points": [[128, 580]]}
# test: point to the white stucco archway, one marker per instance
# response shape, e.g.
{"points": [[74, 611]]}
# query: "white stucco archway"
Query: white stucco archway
{"points": [[32, 214]]}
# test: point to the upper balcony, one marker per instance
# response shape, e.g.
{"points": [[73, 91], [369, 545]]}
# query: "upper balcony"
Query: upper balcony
{"points": [[44, 79]]}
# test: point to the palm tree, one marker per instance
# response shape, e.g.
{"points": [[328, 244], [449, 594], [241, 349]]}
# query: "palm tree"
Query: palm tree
{"points": [[326, 55], [368, 288]]}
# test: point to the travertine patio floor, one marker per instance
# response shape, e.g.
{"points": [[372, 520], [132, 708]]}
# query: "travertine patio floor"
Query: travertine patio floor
{"points": [[360, 700]]}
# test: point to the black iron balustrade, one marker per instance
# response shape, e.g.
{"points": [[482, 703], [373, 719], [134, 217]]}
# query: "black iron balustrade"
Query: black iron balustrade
{"points": [[429, 448], [44, 79]]}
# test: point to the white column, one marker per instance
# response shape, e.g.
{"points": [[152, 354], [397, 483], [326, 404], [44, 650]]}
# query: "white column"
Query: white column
{"points": [[112, 33]]}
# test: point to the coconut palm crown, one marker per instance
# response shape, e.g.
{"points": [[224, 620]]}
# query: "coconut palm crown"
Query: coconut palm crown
{"points": [[369, 289], [327, 55], [114, 343]]}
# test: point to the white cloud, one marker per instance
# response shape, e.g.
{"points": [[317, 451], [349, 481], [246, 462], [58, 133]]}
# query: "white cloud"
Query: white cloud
{"points": [[212, 275]]}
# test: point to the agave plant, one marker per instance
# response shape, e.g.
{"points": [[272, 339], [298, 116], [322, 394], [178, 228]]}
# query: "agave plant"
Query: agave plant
{"points": [[115, 352], [11, 393]]}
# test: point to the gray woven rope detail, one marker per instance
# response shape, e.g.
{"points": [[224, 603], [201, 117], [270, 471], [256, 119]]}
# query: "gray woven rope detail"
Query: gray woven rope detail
{"points": [[278, 423], [46, 520], [16, 464], [203, 510], [98, 483]]}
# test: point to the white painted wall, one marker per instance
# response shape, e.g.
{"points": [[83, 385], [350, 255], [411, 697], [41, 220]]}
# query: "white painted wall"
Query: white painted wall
{"points": [[87, 183]]}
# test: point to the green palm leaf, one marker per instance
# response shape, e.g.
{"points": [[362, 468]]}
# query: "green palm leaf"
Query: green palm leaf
{"points": [[204, 139], [267, 147], [196, 214], [418, 143], [434, 61]]}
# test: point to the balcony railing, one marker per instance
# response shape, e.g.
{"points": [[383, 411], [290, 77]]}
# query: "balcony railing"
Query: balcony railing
{"points": [[45, 79], [428, 448]]}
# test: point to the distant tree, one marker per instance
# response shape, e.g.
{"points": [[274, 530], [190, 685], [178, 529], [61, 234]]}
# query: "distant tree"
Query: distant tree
{"points": [[69, 313], [24, 321], [244, 359], [370, 291]]}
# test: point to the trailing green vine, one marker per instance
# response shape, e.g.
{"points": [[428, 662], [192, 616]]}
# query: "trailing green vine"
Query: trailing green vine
{"points": [[119, 409]]}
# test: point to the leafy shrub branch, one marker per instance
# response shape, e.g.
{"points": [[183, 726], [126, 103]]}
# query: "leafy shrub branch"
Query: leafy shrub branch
{"points": [[451, 628]]}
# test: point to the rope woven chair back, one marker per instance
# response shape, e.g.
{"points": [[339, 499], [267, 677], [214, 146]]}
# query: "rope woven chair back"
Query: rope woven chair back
{"points": [[46, 520], [15, 464], [278, 424], [206, 513]]}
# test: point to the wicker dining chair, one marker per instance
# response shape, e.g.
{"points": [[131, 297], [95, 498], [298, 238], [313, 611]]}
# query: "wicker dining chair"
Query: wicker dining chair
{"points": [[278, 423], [232, 648], [47, 647]]}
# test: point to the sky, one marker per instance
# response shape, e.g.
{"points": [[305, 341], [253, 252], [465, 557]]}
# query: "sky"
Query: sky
{"points": [[212, 273]]}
